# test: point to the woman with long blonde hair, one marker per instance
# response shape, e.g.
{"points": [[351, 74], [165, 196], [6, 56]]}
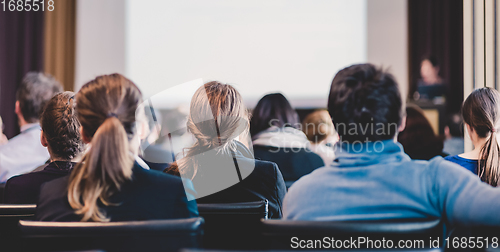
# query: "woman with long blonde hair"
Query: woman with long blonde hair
{"points": [[220, 165], [109, 184]]}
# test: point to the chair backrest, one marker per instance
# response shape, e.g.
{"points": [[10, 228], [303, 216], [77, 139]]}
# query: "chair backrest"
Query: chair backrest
{"points": [[10, 215], [278, 234], [233, 225], [151, 235], [2, 189]]}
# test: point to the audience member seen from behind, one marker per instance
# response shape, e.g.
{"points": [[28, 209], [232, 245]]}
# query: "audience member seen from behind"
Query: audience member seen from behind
{"points": [[3, 138], [481, 116], [372, 178], [221, 167], [156, 154], [276, 135], [454, 135], [23, 153], [61, 136], [418, 138], [109, 185], [320, 131]]}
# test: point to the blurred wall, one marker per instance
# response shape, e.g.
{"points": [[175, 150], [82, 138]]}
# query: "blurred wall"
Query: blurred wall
{"points": [[388, 38], [100, 39]]}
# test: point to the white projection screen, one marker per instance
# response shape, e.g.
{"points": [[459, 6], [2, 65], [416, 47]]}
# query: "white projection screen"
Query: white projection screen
{"points": [[261, 46]]}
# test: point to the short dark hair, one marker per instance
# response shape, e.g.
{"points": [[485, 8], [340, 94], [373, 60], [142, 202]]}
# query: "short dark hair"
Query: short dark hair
{"points": [[273, 110], [61, 127], [35, 91], [432, 59], [364, 96]]}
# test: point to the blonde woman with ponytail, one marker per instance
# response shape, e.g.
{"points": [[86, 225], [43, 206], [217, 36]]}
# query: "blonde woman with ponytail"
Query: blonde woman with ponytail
{"points": [[220, 165], [109, 184], [481, 114]]}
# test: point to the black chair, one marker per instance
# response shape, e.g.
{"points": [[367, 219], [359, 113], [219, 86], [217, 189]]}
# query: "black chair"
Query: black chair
{"points": [[2, 189], [280, 234], [9, 219], [233, 225], [152, 235]]}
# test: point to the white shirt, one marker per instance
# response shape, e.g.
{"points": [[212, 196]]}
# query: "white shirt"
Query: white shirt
{"points": [[22, 153]]}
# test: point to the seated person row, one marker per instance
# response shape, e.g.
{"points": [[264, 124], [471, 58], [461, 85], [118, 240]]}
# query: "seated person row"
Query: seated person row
{"points": [[34, 92], [110, 184], [319, 129], [481, 114], [372, 177], [276, 136], [61, 135], [418, 138], [220, 165]]}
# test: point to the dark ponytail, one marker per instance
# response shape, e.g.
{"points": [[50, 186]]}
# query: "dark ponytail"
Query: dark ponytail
{"points": [[61, 127]]}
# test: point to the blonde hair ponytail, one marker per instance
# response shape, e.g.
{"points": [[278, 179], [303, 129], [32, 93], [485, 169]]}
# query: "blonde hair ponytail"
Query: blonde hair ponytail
{"points": [[108, 163]]}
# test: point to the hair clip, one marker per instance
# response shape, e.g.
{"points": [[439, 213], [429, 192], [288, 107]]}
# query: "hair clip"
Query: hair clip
{"points": [[71, 98], [111, 114]]}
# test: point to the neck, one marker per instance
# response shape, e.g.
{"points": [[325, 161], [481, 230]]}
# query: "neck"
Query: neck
{"points": [[22, 122], [432, 80], [478, 145]]}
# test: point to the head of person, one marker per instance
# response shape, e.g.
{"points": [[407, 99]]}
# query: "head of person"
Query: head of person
{"points": [[106, 108], [480, 112], [273, 110], [217, 117], [418, 138], [318, 126], [429, 69], [365, 104], [454, 126], [35, 91], [61, 128]]}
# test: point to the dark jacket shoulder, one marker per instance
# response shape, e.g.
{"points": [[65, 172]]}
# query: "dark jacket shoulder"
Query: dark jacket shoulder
{"points": [[292, 162], [25, 188]]}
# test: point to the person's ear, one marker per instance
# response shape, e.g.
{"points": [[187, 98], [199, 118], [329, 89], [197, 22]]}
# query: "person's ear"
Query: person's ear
{"points": [[403, 124], [17, 108], [446, 131], [84, 137], [43, 140]]}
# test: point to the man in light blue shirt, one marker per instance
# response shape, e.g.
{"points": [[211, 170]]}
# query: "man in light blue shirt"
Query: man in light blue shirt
{"points": [[372, 177], [24, 152]]}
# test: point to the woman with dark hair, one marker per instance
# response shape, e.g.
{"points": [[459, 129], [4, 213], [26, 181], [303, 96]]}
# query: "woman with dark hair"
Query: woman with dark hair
{"points": [[276, 137], [221, 167], [418, 138], [481, 116], [110, 184], [61, 135]]}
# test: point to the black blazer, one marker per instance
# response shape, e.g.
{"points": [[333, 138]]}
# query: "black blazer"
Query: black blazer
{"points": [[149, 195], [293, 163], [263, 182], [25, 188]]}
